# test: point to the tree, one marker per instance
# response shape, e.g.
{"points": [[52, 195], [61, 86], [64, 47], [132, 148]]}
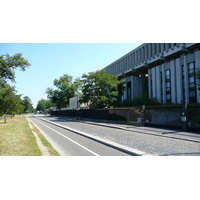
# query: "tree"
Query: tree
{"points": [[10, 103], [28, 107], [8, 64], [100, 89], [44, 104], [66, 89]]}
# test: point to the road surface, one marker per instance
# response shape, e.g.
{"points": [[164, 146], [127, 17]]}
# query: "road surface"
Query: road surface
{"points": [[69, 143]]}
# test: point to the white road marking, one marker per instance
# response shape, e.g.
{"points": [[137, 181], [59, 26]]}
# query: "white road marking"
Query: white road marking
{"points": [[69, 139], [135, 151]]}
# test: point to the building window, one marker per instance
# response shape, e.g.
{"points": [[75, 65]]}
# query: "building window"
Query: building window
{"points": [[168, 86], [129, 90], [191, 82], [151, 92]]}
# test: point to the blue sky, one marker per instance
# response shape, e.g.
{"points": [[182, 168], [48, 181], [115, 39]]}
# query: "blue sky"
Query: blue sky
{"points": [[51, 60]]}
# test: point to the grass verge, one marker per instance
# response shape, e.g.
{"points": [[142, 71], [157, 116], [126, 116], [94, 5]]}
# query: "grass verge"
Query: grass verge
{"points": [[17, 139], [45, 142]]}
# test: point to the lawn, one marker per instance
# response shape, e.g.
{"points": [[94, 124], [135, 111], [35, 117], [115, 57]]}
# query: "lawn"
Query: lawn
{"points": [[17, 139]]}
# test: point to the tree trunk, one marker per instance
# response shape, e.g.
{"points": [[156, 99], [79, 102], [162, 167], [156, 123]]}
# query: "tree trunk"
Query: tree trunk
{"points": [[4, 118]]}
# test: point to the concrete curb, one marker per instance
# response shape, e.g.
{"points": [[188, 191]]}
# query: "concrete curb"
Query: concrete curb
{"points": [[120, 147]]}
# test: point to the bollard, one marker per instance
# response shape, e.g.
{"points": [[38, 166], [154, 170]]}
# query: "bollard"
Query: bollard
{"points": [[184, 116]]}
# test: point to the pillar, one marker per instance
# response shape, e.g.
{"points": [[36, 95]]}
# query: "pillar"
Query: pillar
{"points": [[158, 83], [173, 81], [163, 82], [149, 82], [154, 82], [197, 66], [179, 81], [186, 78]]}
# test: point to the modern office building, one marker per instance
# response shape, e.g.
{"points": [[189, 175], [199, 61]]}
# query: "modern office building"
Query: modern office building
{"points": [[162, 70]]}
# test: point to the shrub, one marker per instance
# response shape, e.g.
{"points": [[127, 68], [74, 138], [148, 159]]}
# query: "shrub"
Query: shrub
{"points": [[196, 119], [141, 100]]}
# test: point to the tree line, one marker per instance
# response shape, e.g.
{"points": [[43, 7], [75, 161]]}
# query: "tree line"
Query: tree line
{"points": [[11, 102], [97, 89]]}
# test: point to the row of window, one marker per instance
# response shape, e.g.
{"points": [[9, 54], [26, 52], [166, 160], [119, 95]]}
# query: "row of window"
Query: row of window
{"points": [[191, 84], [146, 52]]}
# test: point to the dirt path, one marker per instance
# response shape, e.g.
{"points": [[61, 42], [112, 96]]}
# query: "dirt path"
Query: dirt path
{"points": [[42, 148]]}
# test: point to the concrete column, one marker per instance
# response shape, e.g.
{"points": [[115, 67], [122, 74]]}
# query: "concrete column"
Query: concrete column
{"points": [[154, 82], [149, 82], [142, 54], [158, 83], [163, 83], [131, 60], [124, 97], [136, 85], [162, 47], [186, 79], [157, 48], [132, 85], [136, 57], [145, 58], [173, 81], [153, 49], [197, 66], [149, 51], [139, 55], [167, 46], [179, 81], [118, 67]]}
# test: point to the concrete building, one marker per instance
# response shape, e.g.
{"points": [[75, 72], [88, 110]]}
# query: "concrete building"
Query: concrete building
{"points": [[162, 70]]}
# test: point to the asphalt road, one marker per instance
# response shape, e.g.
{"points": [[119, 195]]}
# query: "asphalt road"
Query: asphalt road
{"points": [[69, 143], [142, 141]]}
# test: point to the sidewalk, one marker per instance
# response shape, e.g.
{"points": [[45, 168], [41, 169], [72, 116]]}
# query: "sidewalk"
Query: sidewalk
{"points": [[177, 134], [137, 140]]}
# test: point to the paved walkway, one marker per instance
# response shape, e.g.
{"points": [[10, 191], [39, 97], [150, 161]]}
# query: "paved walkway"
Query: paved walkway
{"points": [[141, 140], [189, 136]]}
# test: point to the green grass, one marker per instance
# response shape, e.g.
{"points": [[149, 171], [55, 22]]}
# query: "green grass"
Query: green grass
{"points": [[51, 150], [17, 139]]}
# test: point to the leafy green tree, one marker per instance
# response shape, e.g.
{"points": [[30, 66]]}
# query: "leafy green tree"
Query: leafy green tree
{"points": [[100, 89], [66, 89], [28, 107], [44, 104], [8, 64], [78, 87], [10, 103], [41, 106]]}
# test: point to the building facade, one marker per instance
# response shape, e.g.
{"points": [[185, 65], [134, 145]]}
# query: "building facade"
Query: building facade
{"points": [[162, 70]]}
